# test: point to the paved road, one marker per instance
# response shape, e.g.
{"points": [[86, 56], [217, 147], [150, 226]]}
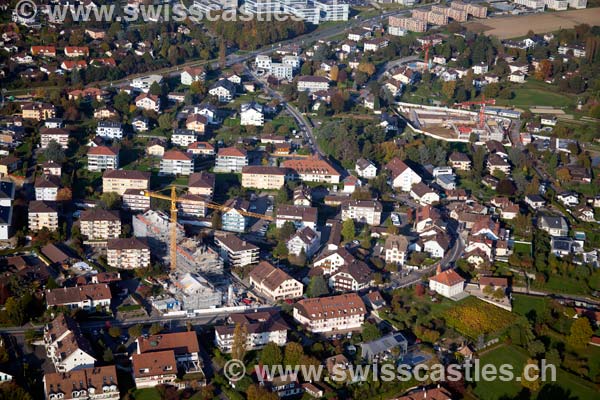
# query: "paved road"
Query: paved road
{"points": [[205, 319]]}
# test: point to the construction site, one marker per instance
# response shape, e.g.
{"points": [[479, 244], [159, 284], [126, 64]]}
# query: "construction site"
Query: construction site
{"points": [[456, 124], [197, 279]]}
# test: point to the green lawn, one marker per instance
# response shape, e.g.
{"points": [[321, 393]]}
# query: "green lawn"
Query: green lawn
{"points": [[523, 304], [522, 248], [497, 389], [515, 356], [563, 284], [146, 394]]}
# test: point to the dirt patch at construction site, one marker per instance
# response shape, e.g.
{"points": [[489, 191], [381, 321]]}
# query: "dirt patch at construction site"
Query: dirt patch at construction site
{"points": [[516, 26]]}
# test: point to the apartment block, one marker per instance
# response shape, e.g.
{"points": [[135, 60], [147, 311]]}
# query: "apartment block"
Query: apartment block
{"points": [[274, 282], [362, 211], [66, 347], [263, 177], [331, 315], [399, 26], [201, 184], [101, 158], [118, 181], [262, 327], [312, 83], [231, 159], [313, 169], [83, 384], [42, 214], [135, 200], [237, 252], [58, 135], [128, 253], [176, 162], [100, 225]]}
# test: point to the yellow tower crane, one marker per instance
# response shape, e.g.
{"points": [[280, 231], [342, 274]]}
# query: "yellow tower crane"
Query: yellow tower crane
{"points": [[173, 199]]}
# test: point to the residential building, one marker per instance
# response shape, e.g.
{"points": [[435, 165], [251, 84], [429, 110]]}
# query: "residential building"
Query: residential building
{"points": [[149, 102], [448, 283], [497, 163], [401, 175], [51, 168], [176, 162], [312, 83], [135, 200], [300, 216], [86, 297], [183, 345], [274, 282], [46, 187], [201, 184], [153, 369], [7, 195], [128, 253], [231, 159], [191, 75], [116, 180], [42, 214], [38, 111], [109, 130], [201, 149], [459, 161], [554, 225], [362, 211], [224, 90], [395, 249], [252, 114], [83, 384], [313, 169], [237, 252], [365, 169], [234, 220], [263, 177], [140, 124], [77, 51], [399, 26], [66, 347], [261, 327], [196, 123], [424, 194], [375, 44], [184, 137], [305, 241], [101, 158], [331, 315], [60, 136], [8, 165], [535, 201], [191, 205], [144, 83], [351, 277], [97, 224]]}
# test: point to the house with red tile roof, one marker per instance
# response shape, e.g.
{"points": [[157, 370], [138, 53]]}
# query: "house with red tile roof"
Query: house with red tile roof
{"points": [[448, 283]]}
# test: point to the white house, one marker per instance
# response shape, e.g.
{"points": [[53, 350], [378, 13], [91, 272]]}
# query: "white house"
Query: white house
{"points": [[183, 137], [224, 90], [305, 240], [148, 102], [262, 327], [329, 315], [365, 168], [401, 175], [143, 83], [109, 130], [447, 283], [191, 75], [252, 114]]}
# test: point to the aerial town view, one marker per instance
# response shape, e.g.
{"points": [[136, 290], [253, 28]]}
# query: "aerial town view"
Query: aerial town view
{"points": [[300, 199]]}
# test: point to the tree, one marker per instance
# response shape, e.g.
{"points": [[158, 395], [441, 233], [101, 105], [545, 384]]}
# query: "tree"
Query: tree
{"points": [[348, 229], [155, 89], [110, 200], [156, 328], [367, 68], [527, 377], [257, 392], [114, 331], [54, 152], [293, 353], [338, 104], [271, 354], [222, 54], [536, 348], [135, 331], [15, 311], [333, 74], [303, 102], [238, 347], [216, 221], [317, 287], [165, 121], [581, 333], [280, 251], [370, 332], [448, 89]]}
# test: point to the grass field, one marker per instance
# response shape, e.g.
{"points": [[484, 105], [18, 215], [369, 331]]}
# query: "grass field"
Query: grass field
{"points": [[517, 357], [473, 317], [522, 248], [530, 97], [146, 394], [523, 304]]}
